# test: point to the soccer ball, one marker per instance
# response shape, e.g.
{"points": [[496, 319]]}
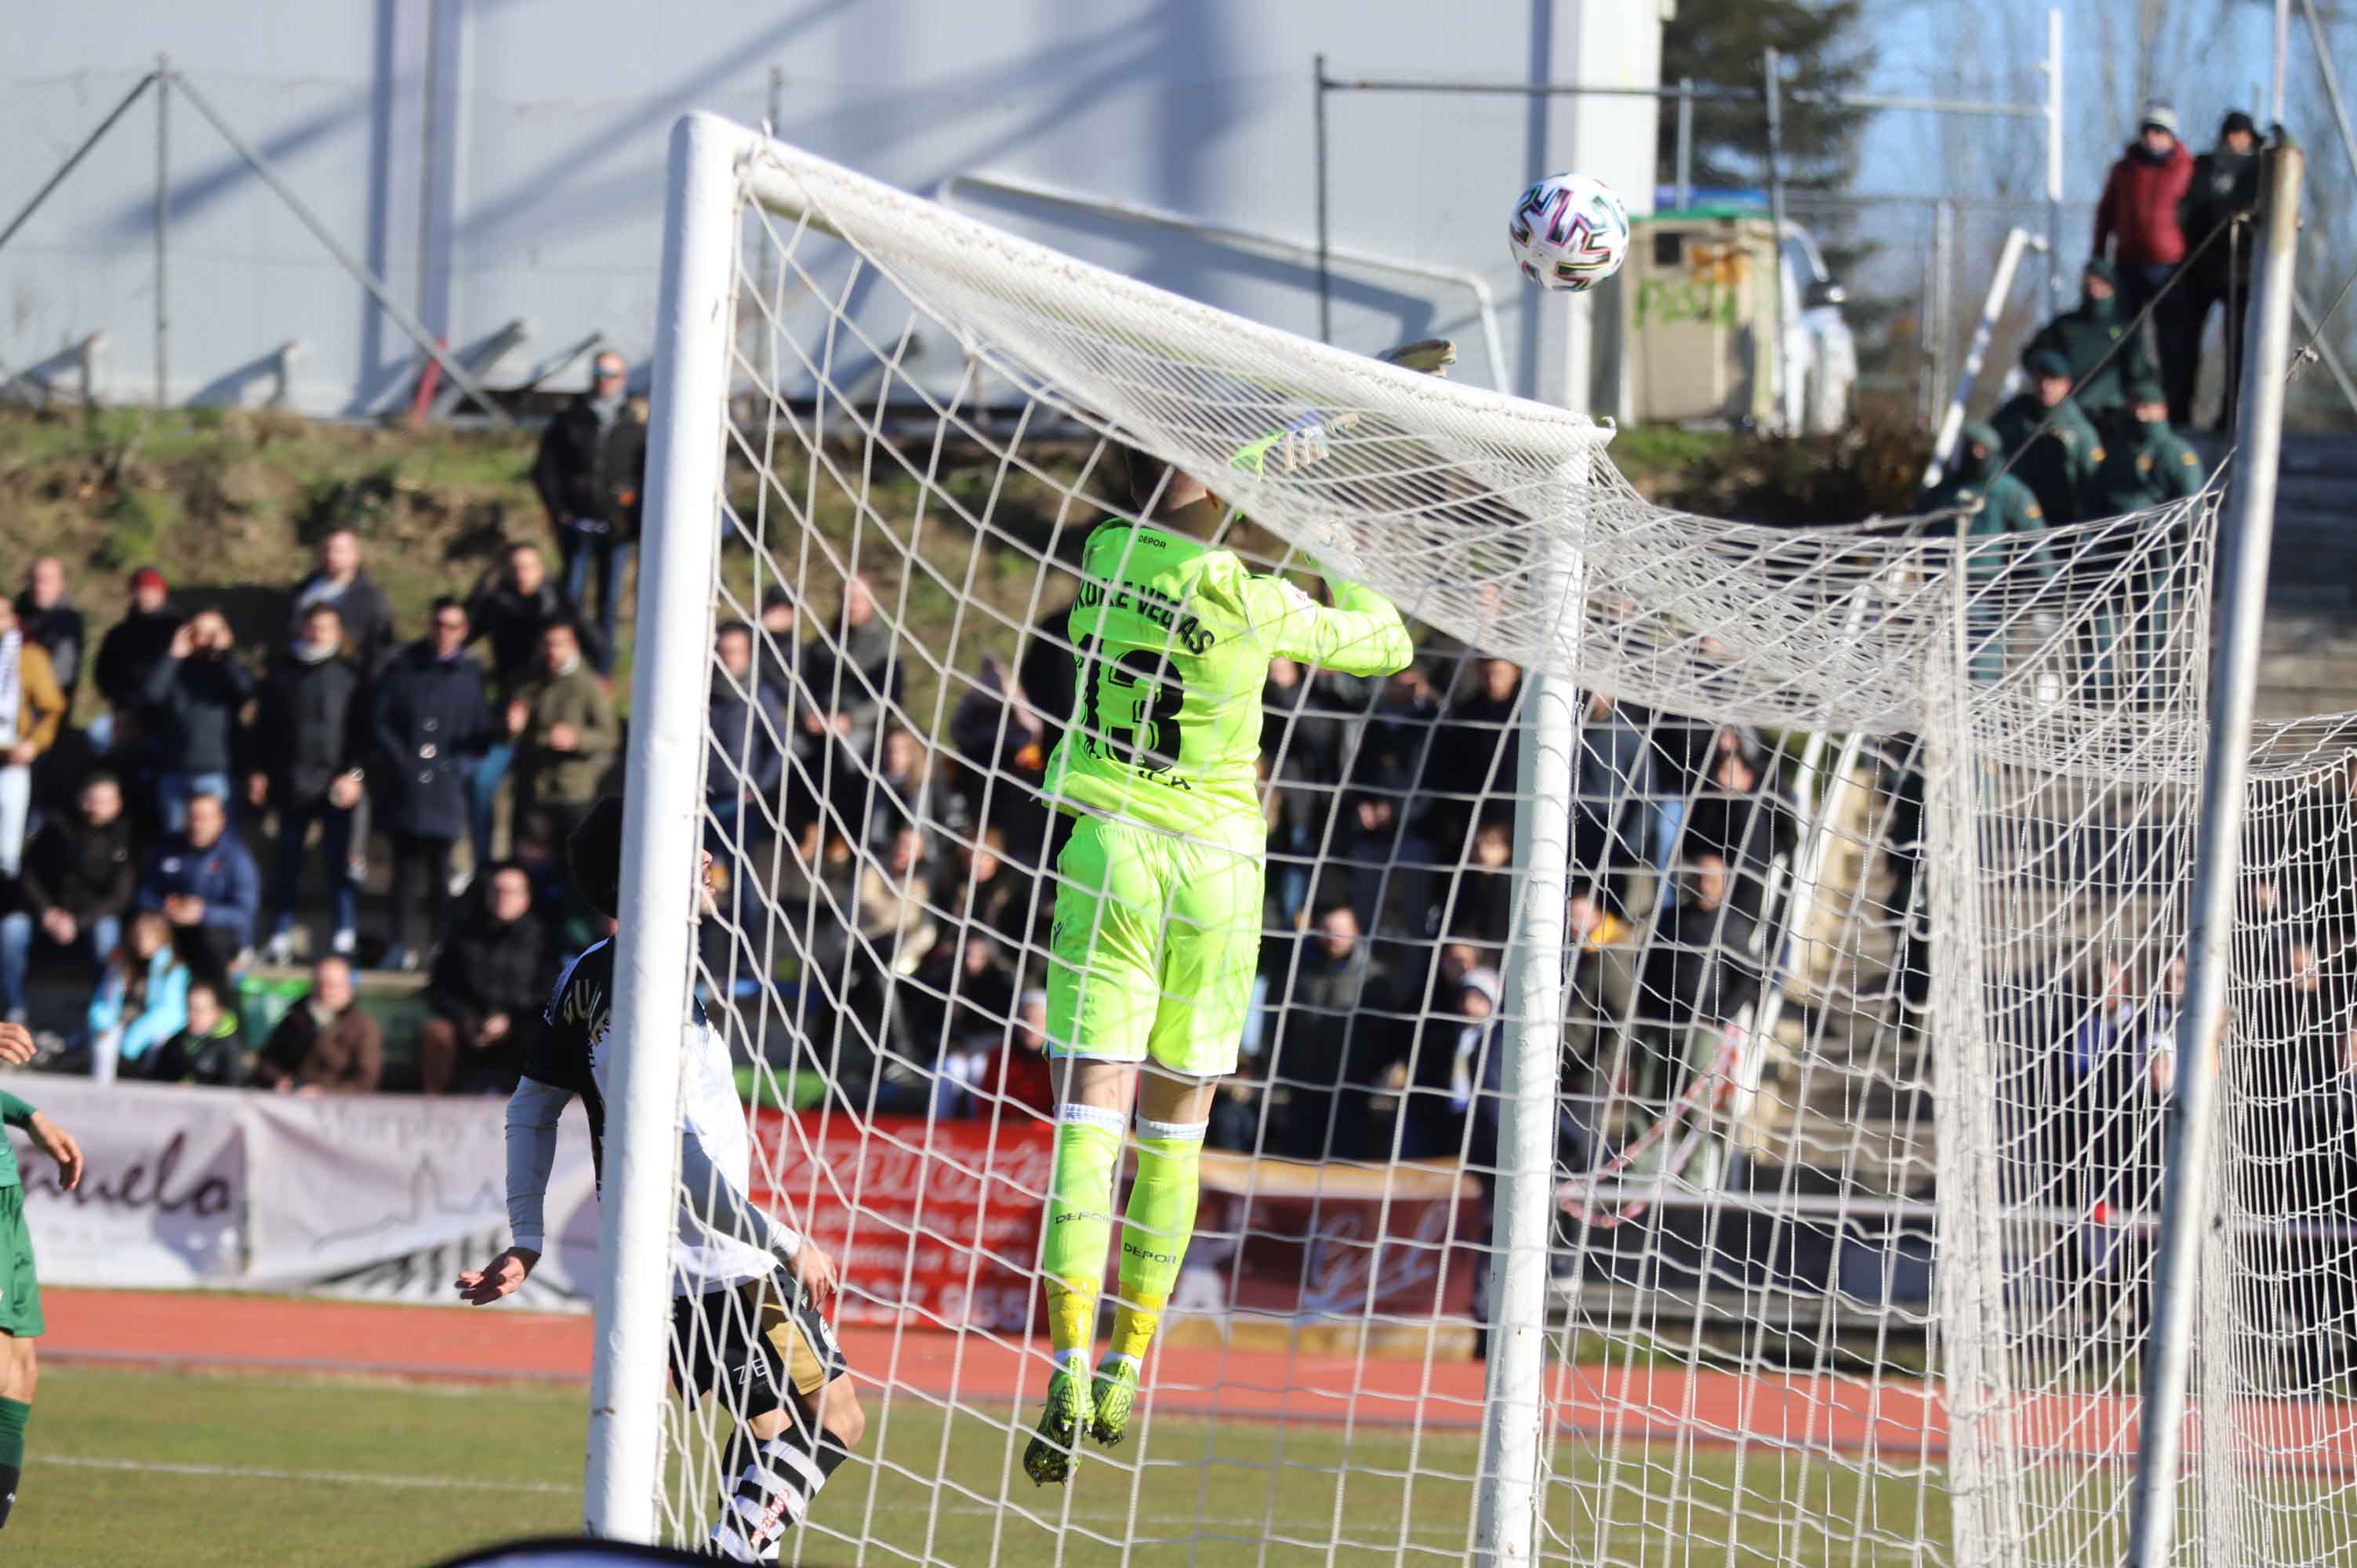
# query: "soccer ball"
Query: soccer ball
{"points": [[1569, 232]]}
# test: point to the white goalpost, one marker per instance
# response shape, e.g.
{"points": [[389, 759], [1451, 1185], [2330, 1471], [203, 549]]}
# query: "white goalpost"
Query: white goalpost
{"points": [[1714, 1019]]}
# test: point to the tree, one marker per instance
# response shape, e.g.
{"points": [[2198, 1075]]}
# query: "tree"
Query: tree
{"points": [[1720, 43]]}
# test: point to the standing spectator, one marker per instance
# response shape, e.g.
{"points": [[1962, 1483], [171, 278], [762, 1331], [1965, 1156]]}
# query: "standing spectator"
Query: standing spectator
{"points": [[209, 1050], [2084, 336], [2055, 462], [1602, 996], [1476, 754], [745, 731], [1695, 977], [142, 999], [1306, 738], [324, 1044], [1741, 820], [203, 882], [312, 722], [2002, 521], [2144, 462], [431, 723], [2224, 187], [51, 619], [590, 469], [1332, 1040], [31, 710], [485, 998], [899, 793], [565, 731], [1484, 908], [2135, 223], [1613, 784], [79, 883], [513, 611], [361, 607], [999, 739], [857, 676], [195, 691], [130, 648], [952, 1017]]}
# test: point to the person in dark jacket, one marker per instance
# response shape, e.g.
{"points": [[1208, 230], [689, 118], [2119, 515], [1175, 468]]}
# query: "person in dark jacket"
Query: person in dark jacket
{"points": [[1336, 1036], [1698, 974], [589, 472], [2136, 225], [2085, 334], [207, 1051], [2224, 187], [431, 721], [511, 612], [79, 881], [2002, 510], [2057, 460], [744, 729], [133, 732], [855, 672], [1613, 785], [197, 689], [1740, 818], [312, 725], [204, 883], [340, 584], [50, 619], [324, 1044], [2145, 464], [485, 998]]}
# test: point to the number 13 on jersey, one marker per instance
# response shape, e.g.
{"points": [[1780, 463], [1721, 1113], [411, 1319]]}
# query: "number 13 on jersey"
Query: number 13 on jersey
{"points": [[1131, 705]]}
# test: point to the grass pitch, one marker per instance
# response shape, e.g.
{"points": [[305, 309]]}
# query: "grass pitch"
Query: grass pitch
{"points": [[194, 1470]]}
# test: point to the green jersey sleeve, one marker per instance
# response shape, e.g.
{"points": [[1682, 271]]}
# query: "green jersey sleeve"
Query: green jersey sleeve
{"points": [[14, 1111], [1360, 635]]}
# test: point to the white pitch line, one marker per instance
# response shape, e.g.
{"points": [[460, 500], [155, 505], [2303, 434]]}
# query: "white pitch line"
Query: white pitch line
{"points": [[324, 1477]]}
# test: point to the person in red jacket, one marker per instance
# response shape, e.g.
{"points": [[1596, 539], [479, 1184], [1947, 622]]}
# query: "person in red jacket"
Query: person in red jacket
{"points": [[2136, 227]]}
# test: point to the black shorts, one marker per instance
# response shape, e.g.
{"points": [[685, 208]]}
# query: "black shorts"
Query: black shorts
{"points": [[745, 1346]]}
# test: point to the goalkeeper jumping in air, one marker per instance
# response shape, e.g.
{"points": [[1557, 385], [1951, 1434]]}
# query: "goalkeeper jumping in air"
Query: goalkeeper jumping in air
{"points": [[1158, 916]]}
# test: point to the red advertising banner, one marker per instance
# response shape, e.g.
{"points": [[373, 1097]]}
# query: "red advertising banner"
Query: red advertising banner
{"points": [[939, 1220], [943, 1222]]}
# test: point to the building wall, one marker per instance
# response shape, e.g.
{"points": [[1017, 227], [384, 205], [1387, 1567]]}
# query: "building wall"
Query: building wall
{"points": [[495, 161]]}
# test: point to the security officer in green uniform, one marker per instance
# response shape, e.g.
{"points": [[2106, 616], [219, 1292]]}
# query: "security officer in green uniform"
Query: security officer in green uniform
{"points": [[2082, 335], [2145, 464], [1996, 504], [2056, 463]]}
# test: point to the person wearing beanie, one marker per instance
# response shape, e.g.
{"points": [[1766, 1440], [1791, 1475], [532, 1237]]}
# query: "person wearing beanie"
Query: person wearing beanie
{"points": [[2055, 444], [2084, 336], [2135, 224], [2224, 187], [1996, 505], [2145, 464]]}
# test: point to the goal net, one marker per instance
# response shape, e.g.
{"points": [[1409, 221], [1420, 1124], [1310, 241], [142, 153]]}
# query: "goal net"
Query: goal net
{"points": [[1863, 857]]}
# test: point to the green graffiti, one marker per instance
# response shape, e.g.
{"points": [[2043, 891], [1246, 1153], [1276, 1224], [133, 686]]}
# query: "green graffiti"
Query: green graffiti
{"points": [[1686, 299]]}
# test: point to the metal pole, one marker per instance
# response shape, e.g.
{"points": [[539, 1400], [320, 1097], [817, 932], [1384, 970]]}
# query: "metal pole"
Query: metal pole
{"points": [[2009, 260], [662, 803], [73, 161], [2192, 1114], [2053, 152], [368, 280], [1325, 236], [1686, 142], [2331, 79], [2282, 60], [1773, 90], [1508, 1501], [163, 229]]}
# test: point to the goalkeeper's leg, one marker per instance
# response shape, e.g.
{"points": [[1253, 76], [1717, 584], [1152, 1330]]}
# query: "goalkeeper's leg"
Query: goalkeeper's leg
{"points": [[1157, 1223]]}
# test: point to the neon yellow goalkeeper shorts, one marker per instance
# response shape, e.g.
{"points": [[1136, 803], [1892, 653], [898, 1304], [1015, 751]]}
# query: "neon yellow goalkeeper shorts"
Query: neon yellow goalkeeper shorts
{"points": [[1156, 941]]}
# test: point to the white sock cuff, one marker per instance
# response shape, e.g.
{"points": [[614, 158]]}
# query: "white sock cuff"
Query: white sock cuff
{"points": [[1172, 1132], [1096, 1116]]}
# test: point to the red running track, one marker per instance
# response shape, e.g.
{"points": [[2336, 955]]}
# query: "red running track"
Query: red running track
{"points": [[271, 1333]]}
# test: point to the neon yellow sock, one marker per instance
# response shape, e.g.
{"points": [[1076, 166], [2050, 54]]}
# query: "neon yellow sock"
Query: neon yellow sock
{"points": [[1159, 1220], [1079, 1223]]}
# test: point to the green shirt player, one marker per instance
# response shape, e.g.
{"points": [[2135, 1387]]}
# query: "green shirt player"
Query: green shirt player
{"points": [[20, 1288], [1157, 913]]}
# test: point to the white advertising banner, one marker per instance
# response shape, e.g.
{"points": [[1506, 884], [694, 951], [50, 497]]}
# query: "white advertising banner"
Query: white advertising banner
{"points": [[379, 1196]]}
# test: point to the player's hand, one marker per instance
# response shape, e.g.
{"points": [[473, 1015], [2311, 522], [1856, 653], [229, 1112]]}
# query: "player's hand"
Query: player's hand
{"points": [[814, 1272], [58, 1144], [1433, 356], [503, 1275], [16, 1043]]}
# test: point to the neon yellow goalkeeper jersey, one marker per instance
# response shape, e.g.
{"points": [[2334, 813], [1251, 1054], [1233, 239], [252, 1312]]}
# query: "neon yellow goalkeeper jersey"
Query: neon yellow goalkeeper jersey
{"points": [[1173, 640]]}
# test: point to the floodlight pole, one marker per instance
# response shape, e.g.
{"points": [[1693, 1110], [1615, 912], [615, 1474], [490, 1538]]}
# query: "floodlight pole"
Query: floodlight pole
{"points": [[163, 227], [2054, 151], [1772, 88], [1325, 235], [2193, 1112]]}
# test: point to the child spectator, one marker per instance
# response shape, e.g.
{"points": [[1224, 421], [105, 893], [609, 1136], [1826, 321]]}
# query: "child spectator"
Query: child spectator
{"points": [[142, 1002], [209, 1050]]}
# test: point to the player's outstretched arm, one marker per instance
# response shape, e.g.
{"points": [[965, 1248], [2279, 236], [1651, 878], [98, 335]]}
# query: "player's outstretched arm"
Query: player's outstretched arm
{"points": [[1361, 635], [533, 1115]]}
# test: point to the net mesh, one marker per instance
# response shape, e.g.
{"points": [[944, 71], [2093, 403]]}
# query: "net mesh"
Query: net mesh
{"points": [[1881, 841]]}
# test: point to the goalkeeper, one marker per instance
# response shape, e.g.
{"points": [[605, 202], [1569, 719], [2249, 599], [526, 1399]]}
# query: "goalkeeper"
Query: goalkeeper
{"points": [[1158, 917]]}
